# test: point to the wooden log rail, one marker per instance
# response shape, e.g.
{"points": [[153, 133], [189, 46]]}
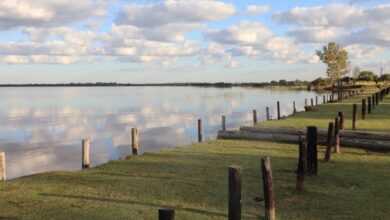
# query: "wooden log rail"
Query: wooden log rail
{"points": [[360, 139]]}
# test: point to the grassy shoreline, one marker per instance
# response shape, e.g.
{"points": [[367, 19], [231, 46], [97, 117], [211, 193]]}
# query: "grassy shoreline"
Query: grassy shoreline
{"points": [[193, 180]]}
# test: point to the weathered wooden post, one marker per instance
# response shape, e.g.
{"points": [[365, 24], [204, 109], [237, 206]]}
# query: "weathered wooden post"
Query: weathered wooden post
{"points": [[337, 135], [369, 104], [2, 167], [134, 141], [166, 214], [278, 106], [354, 117], [329, 141], [363, 109], [373, 101], [294, 108], [234, 192], [323, 99], [376, 99], [341, 115], [85, 153], [254, 116], [199, 130], [312, 160], [267, 113], [223, 123], [311, 102], [269, 202], [305, 102], [301, 163], [316, 100]]}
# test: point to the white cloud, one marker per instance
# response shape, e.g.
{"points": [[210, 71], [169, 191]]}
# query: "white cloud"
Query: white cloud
{"points": [[257, 9], [171, 11], [47, 13], [254, 39]]}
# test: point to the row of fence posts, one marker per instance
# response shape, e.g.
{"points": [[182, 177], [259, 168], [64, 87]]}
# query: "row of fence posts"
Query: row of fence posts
{"points": [[307, 161]]}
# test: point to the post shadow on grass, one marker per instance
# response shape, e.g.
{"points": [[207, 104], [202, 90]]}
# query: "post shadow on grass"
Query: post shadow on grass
{"points": [[125, 201]]}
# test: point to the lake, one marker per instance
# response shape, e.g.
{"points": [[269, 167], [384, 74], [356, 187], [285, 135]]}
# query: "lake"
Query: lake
{"points": [[41, 128]]}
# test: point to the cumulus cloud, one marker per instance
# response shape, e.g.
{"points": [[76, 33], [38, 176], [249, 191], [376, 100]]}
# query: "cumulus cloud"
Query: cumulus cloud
{"points": [[47, 13], [257, 9], [174, 11], [254, 39]]}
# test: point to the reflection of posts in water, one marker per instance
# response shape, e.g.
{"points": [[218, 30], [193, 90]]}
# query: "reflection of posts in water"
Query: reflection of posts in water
{"points": [[2, 166], [134, 141], [199, 130], [85, 153]]}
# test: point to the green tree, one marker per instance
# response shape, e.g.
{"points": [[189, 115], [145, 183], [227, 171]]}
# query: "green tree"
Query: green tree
{"points": [[336, 58], [385, 77], [367, 76]]}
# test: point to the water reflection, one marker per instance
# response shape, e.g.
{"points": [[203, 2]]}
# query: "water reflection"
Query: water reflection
{"points": [[41, 128]]}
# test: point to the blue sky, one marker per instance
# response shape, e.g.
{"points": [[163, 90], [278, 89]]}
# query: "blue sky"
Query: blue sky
{"points": [[60, 41]]}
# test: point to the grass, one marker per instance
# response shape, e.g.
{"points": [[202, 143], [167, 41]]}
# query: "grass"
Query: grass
{"points": [[193, 180], [378, 120]]}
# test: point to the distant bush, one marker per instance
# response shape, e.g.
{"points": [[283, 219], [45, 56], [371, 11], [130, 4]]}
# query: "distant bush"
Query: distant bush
{"points": [[385, 77], [367, 76], [321, 82]]}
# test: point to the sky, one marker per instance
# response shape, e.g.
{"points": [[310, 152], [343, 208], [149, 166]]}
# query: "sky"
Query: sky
{"points": [[156, 41]]}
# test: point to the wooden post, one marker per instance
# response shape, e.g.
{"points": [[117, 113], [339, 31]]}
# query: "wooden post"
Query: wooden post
{"points": [[311, 102], [166, 214], [363, 109], [312, 160], [2, 167], [373, 101], [316, 100], [134, 141], [267, 113], [268, 189], [199, 130], [323, 99], [85, 153], [305, 102], [234, 192], [369, 104], [301, 163], [354, 117], [223, 123], [341, 115], [254, 116], [376, 99], [278, 106], [294, 108], [329, 141], [337, 135]]}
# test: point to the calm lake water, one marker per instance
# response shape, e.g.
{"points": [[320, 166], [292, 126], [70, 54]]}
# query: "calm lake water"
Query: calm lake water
{"points": [[41, 128]]}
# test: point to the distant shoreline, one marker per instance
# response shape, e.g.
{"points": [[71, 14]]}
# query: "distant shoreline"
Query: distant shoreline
{"points": [[215, 85]]}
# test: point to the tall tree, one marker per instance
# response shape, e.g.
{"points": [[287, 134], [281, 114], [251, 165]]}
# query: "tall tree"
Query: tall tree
{"points": [[336, 58]]}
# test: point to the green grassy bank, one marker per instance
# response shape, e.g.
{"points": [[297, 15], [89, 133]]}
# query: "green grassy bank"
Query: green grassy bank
{"points": [[193, 180], [378, 120]]}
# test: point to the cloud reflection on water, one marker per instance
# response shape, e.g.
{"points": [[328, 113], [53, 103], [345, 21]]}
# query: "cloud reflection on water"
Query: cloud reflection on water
{"points": [[41, 128]]}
